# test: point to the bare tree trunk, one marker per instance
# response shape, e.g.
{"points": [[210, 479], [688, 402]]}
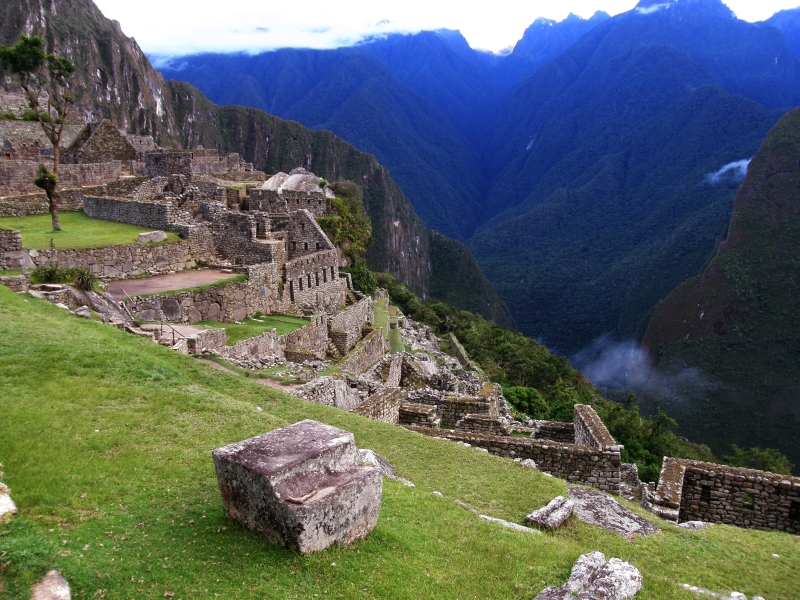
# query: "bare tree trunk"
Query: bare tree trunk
{"points": [[52, 198]]}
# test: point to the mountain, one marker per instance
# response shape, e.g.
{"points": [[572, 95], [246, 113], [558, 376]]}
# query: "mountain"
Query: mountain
{"points": [[788, 22], [353, 94], [543, 40], [602, 199], [115, 80], [725, 344]]}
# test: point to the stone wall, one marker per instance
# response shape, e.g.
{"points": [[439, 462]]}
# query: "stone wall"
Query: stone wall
{"points": [[589, 466], [382, 406], [17, 175], [285, 201], [484, 424], [305, 235], [311, 339], [210, 340], [261, 346], [70, 199], [368, 351], [128, 260], [225, 302], [590, 430], [10, 249], [701, 491], [164, 163], [344, 328], [454, 408], [17, 283], [313, 280], [554, 431], [238, 239], [423, 415]]}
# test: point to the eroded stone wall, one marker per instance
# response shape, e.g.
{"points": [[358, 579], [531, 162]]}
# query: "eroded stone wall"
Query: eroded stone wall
{"points": [[590, 466], [382, 406], [589, 428], [369, 351], [484, 424], [346, 325], [555, 431], [10, 249], [311, 338]]}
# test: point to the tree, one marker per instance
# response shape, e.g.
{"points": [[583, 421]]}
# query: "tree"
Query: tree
{"points": [[766, 459], [38, 73]]}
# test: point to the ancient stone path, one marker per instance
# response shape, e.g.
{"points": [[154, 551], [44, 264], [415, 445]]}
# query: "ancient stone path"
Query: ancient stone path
{"points": [[165, 283]]}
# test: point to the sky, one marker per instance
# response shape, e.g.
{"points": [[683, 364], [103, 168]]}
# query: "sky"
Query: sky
{"points": [[192, 26]]}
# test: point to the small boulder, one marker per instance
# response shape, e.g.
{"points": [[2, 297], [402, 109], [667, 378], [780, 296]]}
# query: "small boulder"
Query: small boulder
{"points": [[693, 525], [302, 486], [595, 578], [151, 236], [369, 457], [51, 587], [84, 312], [552, 516], [7, 506]]}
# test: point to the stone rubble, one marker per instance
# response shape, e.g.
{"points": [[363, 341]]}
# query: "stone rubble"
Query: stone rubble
{"points": [[303, 486], [509, 524], [595, 578], [369, 457], [732, 596], [554, 515], [51, 587], [151, 236], [694, 525]]}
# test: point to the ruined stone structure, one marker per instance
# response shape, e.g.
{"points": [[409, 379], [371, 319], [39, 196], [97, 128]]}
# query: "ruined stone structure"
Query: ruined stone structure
{"points": [[284, 193], [303, 486], [198, 161], [691, 490]]}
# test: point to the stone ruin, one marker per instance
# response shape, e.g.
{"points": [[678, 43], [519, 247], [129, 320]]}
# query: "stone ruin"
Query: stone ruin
{"points": [[595, 577], [303, 486]]}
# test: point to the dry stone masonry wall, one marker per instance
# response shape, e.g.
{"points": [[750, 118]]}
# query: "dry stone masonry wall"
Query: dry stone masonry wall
{"points": [[369, 351], [382, 406]]}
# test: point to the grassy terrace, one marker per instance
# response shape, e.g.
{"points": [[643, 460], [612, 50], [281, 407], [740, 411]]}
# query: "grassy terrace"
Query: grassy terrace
{"points": [[79, 231], [108, 456], [251, 327], [383, 313]]}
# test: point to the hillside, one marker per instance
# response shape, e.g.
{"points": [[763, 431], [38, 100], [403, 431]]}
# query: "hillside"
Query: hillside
{"points": [[729, 338], [108, 456], [115, 80]]}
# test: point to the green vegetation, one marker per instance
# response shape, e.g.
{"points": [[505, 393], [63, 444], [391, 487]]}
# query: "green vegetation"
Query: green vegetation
{"points": [[543, 385], [767, 459], [108, 457], [363, 279], [79, 231], [84, 279], [348, 227], [256, 325]]}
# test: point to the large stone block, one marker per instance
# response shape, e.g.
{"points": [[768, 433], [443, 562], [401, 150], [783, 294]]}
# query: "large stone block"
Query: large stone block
{"points": [[302, 486]]}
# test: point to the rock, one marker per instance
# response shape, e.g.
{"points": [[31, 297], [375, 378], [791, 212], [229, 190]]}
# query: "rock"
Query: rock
{"points": [[84, 312], [51, 587], [369, 457], [528, 462], [595, 578], [302, 486], [738, 596], [62, 305], [553, 593], [508, 524], [552, 516], [151, 236], [693, 525], [598, 508], [7, 506], [583, 571]]}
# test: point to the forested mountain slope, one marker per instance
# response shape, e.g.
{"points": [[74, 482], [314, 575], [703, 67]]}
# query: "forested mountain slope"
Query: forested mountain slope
{"points": [[727, 341]]}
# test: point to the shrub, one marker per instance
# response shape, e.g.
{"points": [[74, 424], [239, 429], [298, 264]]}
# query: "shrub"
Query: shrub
{"points": [[363, 279], [85, 279]]}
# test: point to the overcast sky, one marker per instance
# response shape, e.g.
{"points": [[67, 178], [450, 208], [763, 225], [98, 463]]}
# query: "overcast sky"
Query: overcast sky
{"points": [[173, 27]]}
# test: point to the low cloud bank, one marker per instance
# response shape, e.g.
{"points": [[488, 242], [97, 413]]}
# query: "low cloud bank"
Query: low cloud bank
{"points": [[733, 172]]}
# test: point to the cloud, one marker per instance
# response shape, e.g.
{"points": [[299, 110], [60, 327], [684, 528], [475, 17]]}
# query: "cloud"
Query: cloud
{"points": [[733, 172], [648, 10]]}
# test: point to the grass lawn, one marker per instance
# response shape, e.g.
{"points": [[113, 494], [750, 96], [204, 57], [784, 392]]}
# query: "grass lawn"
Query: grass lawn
{"points": [[106, 439], [251, 327], [78, 231], [382, 318]]}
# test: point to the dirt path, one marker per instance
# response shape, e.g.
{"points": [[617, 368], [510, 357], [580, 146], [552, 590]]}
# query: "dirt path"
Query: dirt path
{"points": [[165, 283]]}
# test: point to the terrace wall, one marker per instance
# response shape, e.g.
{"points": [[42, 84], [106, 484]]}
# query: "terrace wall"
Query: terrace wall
{"points": [[369, 351], [382, 406], [346, 325]]}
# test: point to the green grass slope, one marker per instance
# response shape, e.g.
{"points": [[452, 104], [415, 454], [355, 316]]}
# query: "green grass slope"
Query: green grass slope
{"points": [[106, 445], [737, 322]]}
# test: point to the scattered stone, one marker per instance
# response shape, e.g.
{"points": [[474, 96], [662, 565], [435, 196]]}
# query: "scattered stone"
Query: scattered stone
{"points": [[151, 236], [84, 312], [435, 493], [528, 462], [466, 506], [598, 508], [595, 578], [62, 305], [302, 486], [369, 457], [693, 525], [51, 587], [508, 524], [7, 506], [732, 596], [554, 515]]}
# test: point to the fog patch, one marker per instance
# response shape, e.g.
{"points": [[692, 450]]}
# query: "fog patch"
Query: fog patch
{"points": [[733, 172]]}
